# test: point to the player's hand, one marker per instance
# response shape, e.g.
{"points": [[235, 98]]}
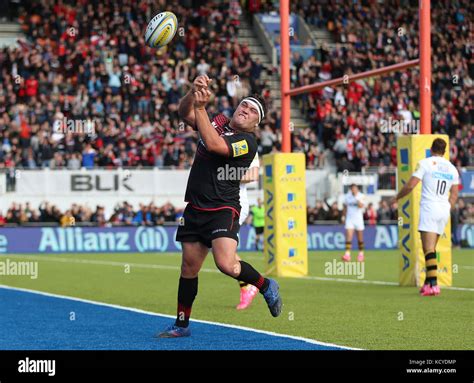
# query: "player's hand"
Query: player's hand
{"points": [[201, 97], [201, 82]]}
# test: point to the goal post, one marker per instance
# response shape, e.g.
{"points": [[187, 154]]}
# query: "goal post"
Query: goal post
{"points": [[410, 150], [285, 235], [414, 144]]}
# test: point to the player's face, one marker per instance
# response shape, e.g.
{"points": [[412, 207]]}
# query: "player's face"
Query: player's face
{"points": [[245, 117], [354, 190]]}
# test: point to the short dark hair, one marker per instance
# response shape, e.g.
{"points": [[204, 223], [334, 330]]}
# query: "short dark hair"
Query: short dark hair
{"points": [[438, 146]]}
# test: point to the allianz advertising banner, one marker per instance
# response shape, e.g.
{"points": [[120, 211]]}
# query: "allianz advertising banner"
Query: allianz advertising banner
{"points": [[140, 239], [467, 182]]}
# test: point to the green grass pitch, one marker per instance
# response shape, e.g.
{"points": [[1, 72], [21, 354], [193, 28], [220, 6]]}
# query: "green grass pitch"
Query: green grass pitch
{"points": [[362, 314]]}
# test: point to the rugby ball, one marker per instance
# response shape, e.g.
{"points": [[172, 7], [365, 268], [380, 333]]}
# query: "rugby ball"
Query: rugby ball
{"points": [[161, 29]]}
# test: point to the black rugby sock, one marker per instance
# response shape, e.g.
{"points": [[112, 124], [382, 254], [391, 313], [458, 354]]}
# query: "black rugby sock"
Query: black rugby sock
{"points": [[250, 275], [187, 292]]}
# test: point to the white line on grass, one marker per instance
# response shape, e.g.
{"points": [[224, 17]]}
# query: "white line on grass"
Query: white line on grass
{"points": [[307, 340], [384, 283], [167, 267], [103, 263]]}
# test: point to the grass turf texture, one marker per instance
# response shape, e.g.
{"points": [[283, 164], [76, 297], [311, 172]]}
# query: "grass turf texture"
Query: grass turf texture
{"points": [[361, 315]]}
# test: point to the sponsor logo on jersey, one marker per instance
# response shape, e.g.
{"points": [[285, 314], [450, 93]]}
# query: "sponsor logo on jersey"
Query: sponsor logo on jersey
{"points": [[240, 148], [442, 176]]}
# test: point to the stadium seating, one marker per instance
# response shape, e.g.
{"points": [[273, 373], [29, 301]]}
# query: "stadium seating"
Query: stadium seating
{"points": [[90, 63]]}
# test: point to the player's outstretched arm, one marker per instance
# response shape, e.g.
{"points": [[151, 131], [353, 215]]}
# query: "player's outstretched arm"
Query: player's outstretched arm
{"points": [[453, 195], [407, 188], [214, 143], [186, 109]]}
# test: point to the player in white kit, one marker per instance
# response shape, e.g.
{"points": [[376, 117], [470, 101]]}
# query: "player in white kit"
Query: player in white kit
{"points": [[439, 192], [247, 292], [353, 216]]}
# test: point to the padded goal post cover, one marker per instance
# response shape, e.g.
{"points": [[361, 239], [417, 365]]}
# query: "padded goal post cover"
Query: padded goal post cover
{"points": [[285, 234], [410, 150]]}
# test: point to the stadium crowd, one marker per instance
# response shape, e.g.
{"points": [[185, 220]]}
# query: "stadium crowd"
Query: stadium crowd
{"points": [[87, 62], [354, 120], [84, 90], [124, 214]]}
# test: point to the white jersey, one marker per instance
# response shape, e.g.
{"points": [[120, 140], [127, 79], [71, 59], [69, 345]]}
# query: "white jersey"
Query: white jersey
{"points": [[354, 213], [437, 175], [244, 201]]}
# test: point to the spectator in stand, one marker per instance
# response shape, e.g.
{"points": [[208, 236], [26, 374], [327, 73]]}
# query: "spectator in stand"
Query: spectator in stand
{"points": [[74, 162], [267, 139], [394, 211], [203, 67], [10, 218], [310, 216], [143, 216], [157, 216], [455, 221], [99, 216], [334, 213], [370, 215], [467, 215], [48, 213], [34, 217], [67, 219], [384, 214], [169, 213], [88, 156], [115, 217], [319, 211]]}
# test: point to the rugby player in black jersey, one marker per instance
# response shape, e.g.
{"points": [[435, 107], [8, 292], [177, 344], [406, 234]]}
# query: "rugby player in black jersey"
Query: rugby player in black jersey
{"points": [[211, 218]]}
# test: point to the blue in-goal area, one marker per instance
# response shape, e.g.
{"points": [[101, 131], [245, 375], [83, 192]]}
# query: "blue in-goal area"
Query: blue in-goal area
{"points": [[39, 321]]}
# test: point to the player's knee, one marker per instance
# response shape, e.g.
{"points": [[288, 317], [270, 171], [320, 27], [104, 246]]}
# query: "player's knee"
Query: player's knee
{"points": [[229, 268], [428, 250], [189, 268]]}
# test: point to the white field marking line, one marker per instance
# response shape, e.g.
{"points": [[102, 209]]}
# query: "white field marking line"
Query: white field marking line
{"points": [[384, 283], [259, 258], [307, 340], [103, 263], [167, 267], [175, 254]]}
